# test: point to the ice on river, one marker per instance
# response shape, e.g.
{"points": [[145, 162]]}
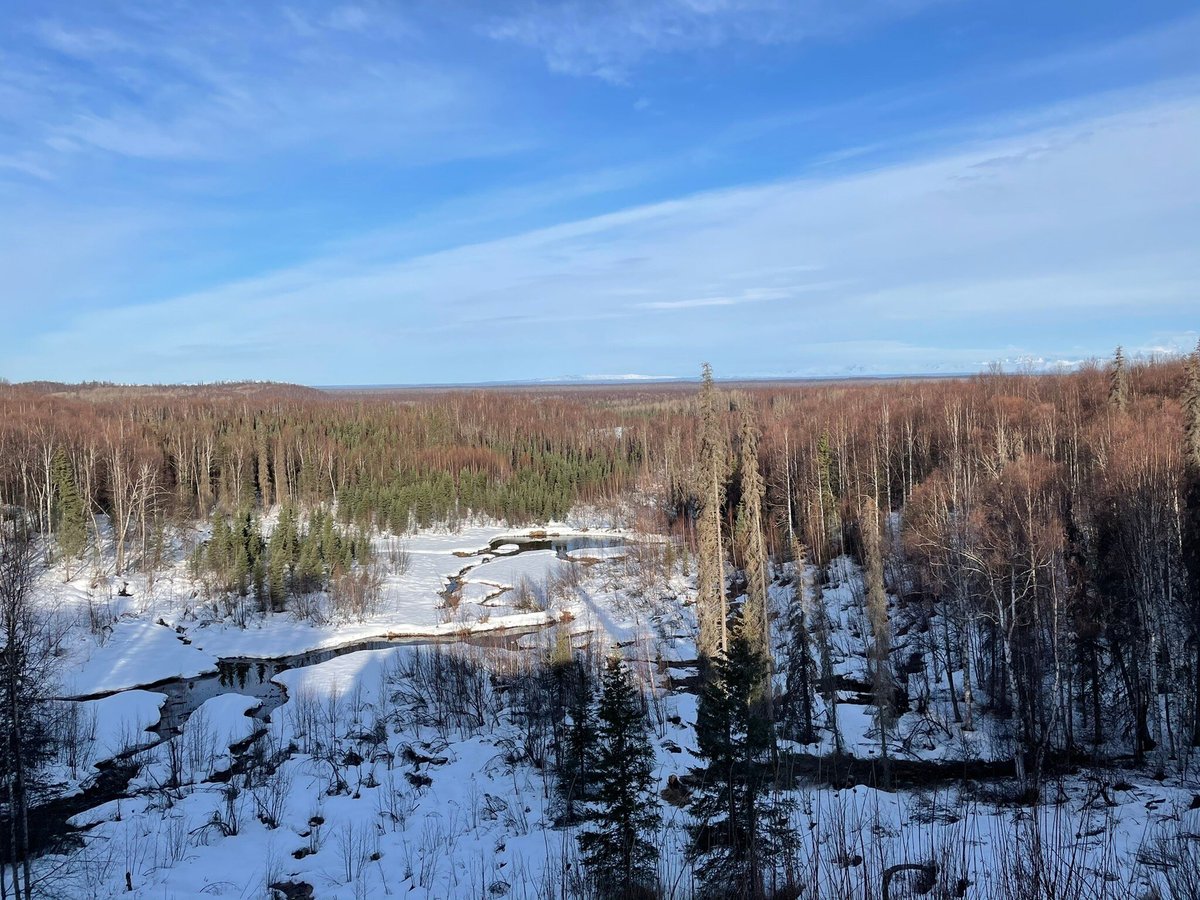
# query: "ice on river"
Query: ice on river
{"points": [[139, 651]]}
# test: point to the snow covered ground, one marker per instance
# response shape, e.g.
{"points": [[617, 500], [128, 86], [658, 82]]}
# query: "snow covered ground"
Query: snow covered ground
{"points": [[117, 723], [356, 787], [165, 629]]}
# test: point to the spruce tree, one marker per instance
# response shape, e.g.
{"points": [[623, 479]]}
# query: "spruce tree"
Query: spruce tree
{"points": [[286, 529], [241, 562], [1191, 414], [822, 632], [710, 570], [827, 493], [578, 770], [800, 664], [734, 837], [70, 510], [220, 550], [755, 616], [277, 567], [258, 577], [880, 650], [1118, 382], [620, 850], [1190, 530], [311, 550]]}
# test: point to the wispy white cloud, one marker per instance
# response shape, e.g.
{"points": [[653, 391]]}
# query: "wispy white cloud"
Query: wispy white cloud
{"points": [[607, 39], [749, 295], [1076, 230], [223, 82], [697, 303], [178, 171]]}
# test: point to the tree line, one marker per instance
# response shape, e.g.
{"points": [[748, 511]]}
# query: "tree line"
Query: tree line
{"points": [[127, 463], [1040, 532]]}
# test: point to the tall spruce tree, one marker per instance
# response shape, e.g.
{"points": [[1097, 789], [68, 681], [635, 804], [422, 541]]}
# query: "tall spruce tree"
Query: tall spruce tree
{"points": [[798, 714], [822, 628], [1190, 531], [310, 567], [826, 496], [710, 601], [277, 568], [755, 621], [734, 836], [70, 511], [1118, 382], [879, 652], [1191, 413], [220, 549], [578, 772], [620, 850]]}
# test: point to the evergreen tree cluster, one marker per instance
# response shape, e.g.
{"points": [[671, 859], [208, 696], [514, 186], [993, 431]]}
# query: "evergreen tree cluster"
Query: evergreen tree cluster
{"points": [[298, 558], [540, 487]]}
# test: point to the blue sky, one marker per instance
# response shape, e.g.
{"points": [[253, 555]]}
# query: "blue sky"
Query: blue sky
{"points": [[442, 192]]}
